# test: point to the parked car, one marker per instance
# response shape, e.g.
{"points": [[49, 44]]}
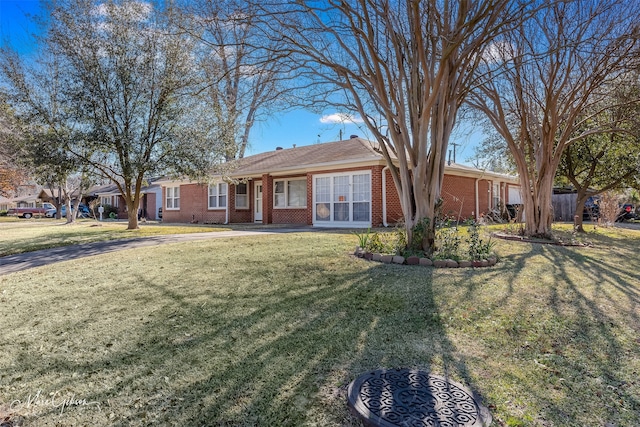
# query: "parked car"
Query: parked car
{"points": [[84, 211], [30, 212], [627, 213]]}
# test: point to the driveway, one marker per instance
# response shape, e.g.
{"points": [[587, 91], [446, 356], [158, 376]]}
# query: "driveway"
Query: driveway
{"points": [[24, 261]]}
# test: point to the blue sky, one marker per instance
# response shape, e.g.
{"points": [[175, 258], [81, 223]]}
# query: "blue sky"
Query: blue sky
{"points": [[297, 127]]}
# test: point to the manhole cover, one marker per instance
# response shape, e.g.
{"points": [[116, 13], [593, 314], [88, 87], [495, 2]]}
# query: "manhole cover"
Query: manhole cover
{"points": [[404, 397]]}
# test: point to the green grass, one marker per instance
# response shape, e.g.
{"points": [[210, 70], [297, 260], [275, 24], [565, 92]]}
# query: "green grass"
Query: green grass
{"points": [[269, 330], [18, 236]]}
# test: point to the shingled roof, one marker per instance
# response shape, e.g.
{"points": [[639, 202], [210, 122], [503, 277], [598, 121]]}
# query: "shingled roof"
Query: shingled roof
{"points": [[354, 150]]}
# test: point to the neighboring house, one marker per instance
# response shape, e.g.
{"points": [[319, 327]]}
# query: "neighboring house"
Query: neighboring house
{"points": [[110, 195], [335, 184], [5, 204], [30, 201]]}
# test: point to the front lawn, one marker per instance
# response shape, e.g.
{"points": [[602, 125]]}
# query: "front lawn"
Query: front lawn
{"points": [[269, 330], [20, 235]]}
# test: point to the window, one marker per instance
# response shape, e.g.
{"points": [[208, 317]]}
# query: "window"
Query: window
{"points": [[218, 196], [342, 199], [242, 201], [173, 198], [105, 200], [290, 193], [117, 198]]}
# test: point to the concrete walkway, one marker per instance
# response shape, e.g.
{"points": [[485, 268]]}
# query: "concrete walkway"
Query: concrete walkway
{"points": [[24, 261]]}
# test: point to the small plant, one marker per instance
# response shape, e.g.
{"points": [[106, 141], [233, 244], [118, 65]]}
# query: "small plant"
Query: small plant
{"points": [[419, 232], [448, 242], [363, 238], [478, 249], [375, 244]]}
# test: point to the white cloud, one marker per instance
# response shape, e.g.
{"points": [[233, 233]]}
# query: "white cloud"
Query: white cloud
{"points": [[340, 118], [498, 52]]}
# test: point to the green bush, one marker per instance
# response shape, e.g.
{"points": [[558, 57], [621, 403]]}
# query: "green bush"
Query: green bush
{"points": [[448, 242], [478, 248]]}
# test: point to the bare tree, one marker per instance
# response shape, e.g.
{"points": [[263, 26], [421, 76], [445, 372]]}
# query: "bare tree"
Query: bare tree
{"points": [[247, 80], [404, 67], [131, 85], [540, 79]]}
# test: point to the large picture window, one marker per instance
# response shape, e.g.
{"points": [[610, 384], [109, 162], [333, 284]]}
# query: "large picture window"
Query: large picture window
{"points": [[242, 199], [173, 198], [342, 199], [218, 196], [290, 193]]}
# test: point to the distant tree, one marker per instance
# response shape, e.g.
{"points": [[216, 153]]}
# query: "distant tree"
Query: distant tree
{"points": [[43, 129], [538, 80], [493, 153], [404, 67], [11, 174], [609, 161]]}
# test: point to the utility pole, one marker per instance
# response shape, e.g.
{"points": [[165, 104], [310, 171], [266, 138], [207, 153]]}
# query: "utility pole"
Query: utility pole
{"points": [[454, 151]]}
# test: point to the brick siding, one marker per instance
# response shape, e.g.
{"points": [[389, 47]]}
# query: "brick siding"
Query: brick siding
{"points": [[458, 193]]}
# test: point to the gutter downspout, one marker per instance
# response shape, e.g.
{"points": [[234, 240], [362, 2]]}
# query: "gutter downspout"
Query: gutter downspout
{"points": [[226, 211], [477, 213], [384, 196]]}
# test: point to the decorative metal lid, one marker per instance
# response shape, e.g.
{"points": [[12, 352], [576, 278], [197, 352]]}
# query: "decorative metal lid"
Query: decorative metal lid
{"points": [[404, 397]]}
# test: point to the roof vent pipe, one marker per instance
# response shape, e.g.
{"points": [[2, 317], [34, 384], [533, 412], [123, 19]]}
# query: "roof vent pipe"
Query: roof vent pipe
{"points": [[353, 136], [278, 148]]}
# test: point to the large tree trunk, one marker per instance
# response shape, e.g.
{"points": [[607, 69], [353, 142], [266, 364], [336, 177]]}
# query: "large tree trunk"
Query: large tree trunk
{"points": [[132, 213], [536, 197]]}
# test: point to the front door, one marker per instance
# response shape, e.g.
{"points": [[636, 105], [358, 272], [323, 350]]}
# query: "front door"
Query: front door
{"points": [[257, 210]]}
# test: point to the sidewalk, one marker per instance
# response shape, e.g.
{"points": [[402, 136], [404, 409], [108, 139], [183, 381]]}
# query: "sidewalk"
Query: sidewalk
{"points": [[24, 261]]}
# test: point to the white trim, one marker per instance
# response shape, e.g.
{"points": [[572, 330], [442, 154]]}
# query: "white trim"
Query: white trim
{"points": [[218, 196], [173, 198], [257, 183], [286, 193], [246, 196], [331, 222]]}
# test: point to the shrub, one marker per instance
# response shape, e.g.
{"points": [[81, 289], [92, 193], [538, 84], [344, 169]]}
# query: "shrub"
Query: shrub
{"points": [[478, 249], [447, 241]]}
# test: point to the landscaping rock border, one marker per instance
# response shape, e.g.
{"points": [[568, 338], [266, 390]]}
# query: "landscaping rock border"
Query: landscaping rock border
{"points": [[427, 262]]}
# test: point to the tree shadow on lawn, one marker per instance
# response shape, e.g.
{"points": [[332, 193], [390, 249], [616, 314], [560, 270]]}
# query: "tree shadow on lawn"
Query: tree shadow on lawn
{"points": [[282, 358], [585, 345], [283, 353]]}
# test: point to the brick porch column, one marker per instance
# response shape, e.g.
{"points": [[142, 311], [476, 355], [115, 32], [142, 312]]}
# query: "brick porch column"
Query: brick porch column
{"points": [[267, 199]]}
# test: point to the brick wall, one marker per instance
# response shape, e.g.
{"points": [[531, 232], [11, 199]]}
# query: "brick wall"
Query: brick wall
{"points": [[242, 215], [194, 201], [286, 215], [151, 206], [310, 207], [122, 207], [376, 196], [394, 209], [458, 194]]}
